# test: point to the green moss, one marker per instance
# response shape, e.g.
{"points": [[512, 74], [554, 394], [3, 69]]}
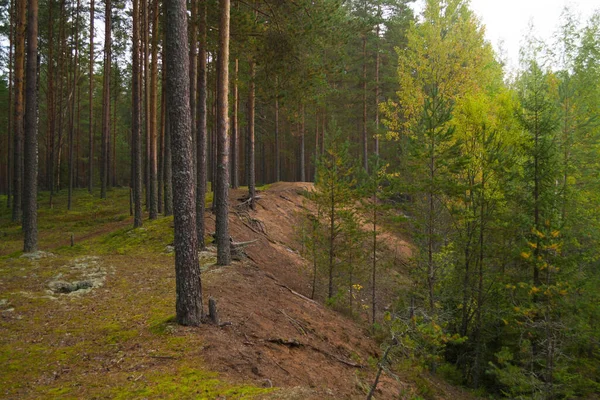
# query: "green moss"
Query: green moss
{"points": [[186, 383], [162, 326]]}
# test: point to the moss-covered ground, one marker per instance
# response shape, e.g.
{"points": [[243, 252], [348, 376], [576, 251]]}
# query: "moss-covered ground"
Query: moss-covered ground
{"points": [[115, 340]]}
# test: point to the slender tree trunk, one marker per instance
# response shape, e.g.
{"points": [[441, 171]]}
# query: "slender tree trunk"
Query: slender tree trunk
{"points": [[106, 100], [250, 170], [72, 121], [146, 96], [374, 269], [50, 96], [187, 268], [153, 104], [377, 89], [277, 145], [113, 158], [235, 132], [302, 152], [193, 39], [161, 142], [201, 130], [31, 125], [61, 93], [222, 187], [10, 134], [136, 132], [91, 105], [364, 121], [18, 111]]}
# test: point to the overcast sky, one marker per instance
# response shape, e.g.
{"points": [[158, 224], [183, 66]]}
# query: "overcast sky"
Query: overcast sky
{"points": [[508, 20]]}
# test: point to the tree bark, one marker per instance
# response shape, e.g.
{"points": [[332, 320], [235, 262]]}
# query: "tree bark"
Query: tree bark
{"points": [[302, 153], [193, 38], [31, 125], [201, 131], [277, 145], [10, 106], [250, 170], [222, 184], [235, 132], [106, 101], [72, 116], [187, 269], [91, 105], [364, 119], [136, 133], [18, 112], [152, 116]]}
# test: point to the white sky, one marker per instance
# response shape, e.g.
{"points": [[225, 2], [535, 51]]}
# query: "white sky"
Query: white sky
{"points": [[508, 20]]}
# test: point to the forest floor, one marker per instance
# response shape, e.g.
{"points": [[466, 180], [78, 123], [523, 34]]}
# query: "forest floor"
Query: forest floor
{"points": [[113, 335]]}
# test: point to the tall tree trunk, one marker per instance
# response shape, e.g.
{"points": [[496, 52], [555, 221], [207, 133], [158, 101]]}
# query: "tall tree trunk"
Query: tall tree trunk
{"points": [[222, 187], [302, 153], [91, 105], [57, 157], [277, 145], [187, 268], [50, 96], [31, 144], [153, 104], [146, 97], [193, 38], [201, 130], [161, 144], [18, 111], [364, 110], [136, 132], [10, 134], [250, 170], [106, 101], [235, 132], [72, 116], [113, 158], [377, 89]]}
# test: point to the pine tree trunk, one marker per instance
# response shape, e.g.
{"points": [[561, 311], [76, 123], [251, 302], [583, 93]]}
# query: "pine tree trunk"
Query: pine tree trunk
{"points": [[193, 38], [91, 105], [377, 62], [136, 132], [161, 143], [187, 269], [250, 170], [106, 101], [31, 125], [302, 153], [364, 121], [201, 130], [153, 104], [235, 132], [277, 145], [146, 97], [50, 96], [222, 187], [10, 134], [72, 116], [18, 111]]}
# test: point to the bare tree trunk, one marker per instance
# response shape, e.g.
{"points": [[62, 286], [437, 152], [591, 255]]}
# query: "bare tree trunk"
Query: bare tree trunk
{"points": [[193, 39], [136, 133], [10, 135], [201, 130], [161, 142], [113, 158], [31, 145], [235, 132], [146, 97], [187, 268], [106, 100], [50, 97], [377, 62], [364, 124], [91, 105], [152, 116], [250, 170], [72, 121], [18, 111], [277, 145], [222, 187], [302, 153]]}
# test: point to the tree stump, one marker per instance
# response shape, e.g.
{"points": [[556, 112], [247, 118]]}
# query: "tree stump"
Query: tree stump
{"points": [[213, 314]]}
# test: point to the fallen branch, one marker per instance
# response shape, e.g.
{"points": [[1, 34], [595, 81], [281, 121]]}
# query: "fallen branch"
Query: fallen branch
{"points": [[339, 359], [284, 342], [291, 290]]}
